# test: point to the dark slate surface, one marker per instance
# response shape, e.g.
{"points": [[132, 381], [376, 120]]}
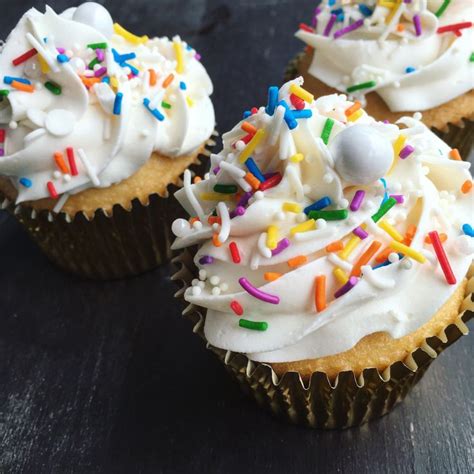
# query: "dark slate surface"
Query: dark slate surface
{"points": [[107, 377]]}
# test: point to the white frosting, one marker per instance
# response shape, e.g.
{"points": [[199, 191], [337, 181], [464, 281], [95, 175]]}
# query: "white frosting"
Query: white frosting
{"points": [[397, 298], [378, 51], [114, 145]]}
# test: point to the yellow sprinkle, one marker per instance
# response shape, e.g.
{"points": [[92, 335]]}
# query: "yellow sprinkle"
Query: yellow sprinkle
{"points": [[189, 101], [341, 275], [178, 50], [297, 158], [349, 247], [272, 237], [391, 231], [43, 64], [408, 251], [291, 207], [114, 82], [252, 144], [216, 197], [304, 227], [121, 31], [397, 147], [303, 94], [355, 116]]}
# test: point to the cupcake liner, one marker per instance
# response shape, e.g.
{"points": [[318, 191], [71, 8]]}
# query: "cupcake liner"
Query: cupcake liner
{"points": [[350, 400], [457, 135], [113, 245]]}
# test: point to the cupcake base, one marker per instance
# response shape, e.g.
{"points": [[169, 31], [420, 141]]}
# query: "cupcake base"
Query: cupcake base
{"points": [[108, 243], [321, 401], [453, 122]]}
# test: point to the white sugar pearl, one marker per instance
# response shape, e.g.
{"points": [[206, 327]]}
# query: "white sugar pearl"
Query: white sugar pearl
{"points": [[201, 284], [195, 282], [259, 195], [197, 225], [13, 125], [215, 280], [417, 115], [224, 286], [56, 174], [464, 244], [180, 227], [406, 264], [393, 257], [202, 274], [321, 224], [216, 291], [196, 290], [240, 145], [67, 178], [216, 227], [343, 203]]}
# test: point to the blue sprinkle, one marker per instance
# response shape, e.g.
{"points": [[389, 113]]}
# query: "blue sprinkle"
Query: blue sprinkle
{"points": [[340, 17], [385, 196], [387, 262], [302, 114], [133, 69], [253, 168], [155, 112], [62, 58], [26, 182], [272, 100], [189, 47], [121, 58], [468, 230], [318, 205], [410, 69], [365, 10], [331, 2], [10, 79], [118, 103], [247, 114], [182, 86], [337, 11], [106, 79], [289, 119]]}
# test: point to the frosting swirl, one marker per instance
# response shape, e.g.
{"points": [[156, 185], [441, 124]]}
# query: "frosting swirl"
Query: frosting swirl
{"points": [[314, 228], [85, 102], [416, 55]]}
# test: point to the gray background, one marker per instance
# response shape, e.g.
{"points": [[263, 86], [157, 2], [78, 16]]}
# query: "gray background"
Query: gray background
{"points": [[107, 377]]}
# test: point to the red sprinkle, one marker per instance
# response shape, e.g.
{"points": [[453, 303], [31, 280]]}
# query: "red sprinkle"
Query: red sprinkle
{"points": [[234, 251], [455, 27], [305, 27], [271, 182], [254, 110], [2, 135], [24, 57], [72, 161], [236, 308], [297, 103], [442, 257], [52, 190]]}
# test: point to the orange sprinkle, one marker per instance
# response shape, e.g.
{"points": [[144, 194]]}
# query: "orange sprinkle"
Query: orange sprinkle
{"points": [[214, 220], [271, 276], [454, 154], [248, 127], [252, 180], [297, 261], [466, 186], [383, 255], [320, 293], [168, 81], [197, 179], [60, 163], [400, 27], [353, 108], [443, 237], [308, 49], [193, 220], [365, 257], [89, 81], [410, 233], [22, 87], [216, 241], [335, 246], [153, 77]]}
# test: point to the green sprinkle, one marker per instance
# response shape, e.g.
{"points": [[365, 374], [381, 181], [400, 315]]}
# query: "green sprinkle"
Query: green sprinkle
{"points": [[327, 130], [337, 215], [442, 8], [256, 326], [471, 58], [93, 63], [362, 85], [384, 208], [225, 188], [4, 92], [53, 87], [97, 46], [165, 105]]}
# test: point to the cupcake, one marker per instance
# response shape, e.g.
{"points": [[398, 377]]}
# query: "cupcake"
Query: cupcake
{"points": [[396, 58], [96, 124], [330, 257]]}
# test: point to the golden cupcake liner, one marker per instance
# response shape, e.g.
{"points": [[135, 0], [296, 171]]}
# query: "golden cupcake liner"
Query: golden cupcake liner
{"points": [[348, 401], [456, 135], [122, 243]]}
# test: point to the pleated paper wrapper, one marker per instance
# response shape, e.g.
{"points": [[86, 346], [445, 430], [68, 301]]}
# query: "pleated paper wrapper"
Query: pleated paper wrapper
{"points": [[457, 135], [125, 242], [349, 400]]}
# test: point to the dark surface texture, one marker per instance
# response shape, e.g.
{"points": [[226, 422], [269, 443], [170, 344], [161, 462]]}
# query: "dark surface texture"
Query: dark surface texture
{"points": [[107, 377]]}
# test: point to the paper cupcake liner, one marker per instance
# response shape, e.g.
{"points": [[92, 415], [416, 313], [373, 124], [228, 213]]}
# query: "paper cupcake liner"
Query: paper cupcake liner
{"points": [[456, 135], [122, 243], [350, 400]]}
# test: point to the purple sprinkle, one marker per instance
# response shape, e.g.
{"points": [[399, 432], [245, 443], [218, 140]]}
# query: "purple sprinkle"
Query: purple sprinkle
{"points": [[2, 152], [347, 287], [216, 170], [330, 24], [357, 200], [417, 23], [100, 54], [406, 151], [398, 197], [314, 21], [348, 29], [61, 50], [361, 233], [385, 121], [100, 72], [282, 245], [244, 200], [206, 260], [238, 211], [197, 56]]}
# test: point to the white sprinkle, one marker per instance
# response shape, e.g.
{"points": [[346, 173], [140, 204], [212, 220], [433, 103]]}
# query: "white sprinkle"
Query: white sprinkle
{"points": [[339, 262], [60, 203], [88, 166], [371, 276], [262, 246], [276, 125], [202, 275], [223, 212], [191, 197]]}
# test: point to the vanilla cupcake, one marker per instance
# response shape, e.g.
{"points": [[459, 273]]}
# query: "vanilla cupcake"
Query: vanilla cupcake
{"points": [[396, 57], [96, 124], [331, 256]]}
